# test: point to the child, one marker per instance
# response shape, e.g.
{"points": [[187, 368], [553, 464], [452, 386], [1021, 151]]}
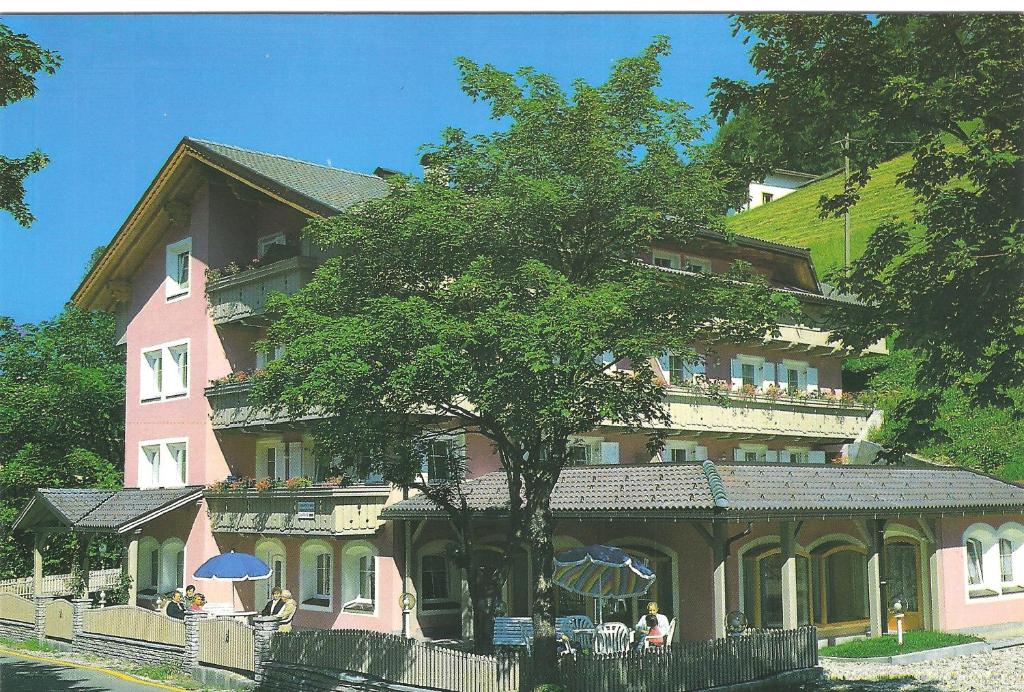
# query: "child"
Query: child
{"points": [[655, 637]]}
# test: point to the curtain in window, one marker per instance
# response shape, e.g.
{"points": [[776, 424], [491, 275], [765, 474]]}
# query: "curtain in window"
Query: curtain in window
{"points": [[1006, 560]]}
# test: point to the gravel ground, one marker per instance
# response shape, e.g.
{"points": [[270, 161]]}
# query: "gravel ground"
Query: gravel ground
{"points": [[996, 671]]}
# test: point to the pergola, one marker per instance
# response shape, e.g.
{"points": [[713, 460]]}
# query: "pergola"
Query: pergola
{"points": [[89, 512]]}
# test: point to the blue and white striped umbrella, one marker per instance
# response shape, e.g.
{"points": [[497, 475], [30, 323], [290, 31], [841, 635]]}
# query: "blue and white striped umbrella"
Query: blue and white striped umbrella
{"points": [[602, 572]]}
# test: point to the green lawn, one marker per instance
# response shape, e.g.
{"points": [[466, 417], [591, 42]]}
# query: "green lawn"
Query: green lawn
{"points": [[793, 219], [918, 640]]}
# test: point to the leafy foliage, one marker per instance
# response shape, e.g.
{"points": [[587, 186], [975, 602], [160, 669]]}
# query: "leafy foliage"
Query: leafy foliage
{"points": [[952, 430], [482, 298], [21, 60], [949, 283], [61, 418]]}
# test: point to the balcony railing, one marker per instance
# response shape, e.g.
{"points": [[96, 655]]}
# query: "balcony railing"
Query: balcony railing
{"points": [[230, 408], [737, 414], [243, 296], [318, 510]]}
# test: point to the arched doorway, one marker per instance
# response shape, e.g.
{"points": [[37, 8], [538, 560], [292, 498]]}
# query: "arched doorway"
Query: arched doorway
{"points": [[903, 579], [629, 610], [272, 552]]}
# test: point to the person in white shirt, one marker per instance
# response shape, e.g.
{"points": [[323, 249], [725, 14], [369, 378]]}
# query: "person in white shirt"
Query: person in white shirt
{"points": [[652, 609]]}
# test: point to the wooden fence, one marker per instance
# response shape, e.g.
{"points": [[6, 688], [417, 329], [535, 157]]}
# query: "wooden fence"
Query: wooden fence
{"points": [[60, 584], [226, 643], [133, 622], [695, 665], [17, 608], [396, 659], [59, 622]]}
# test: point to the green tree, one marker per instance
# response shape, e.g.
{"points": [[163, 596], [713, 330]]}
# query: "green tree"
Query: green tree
{"points": [[61, 419], [950, 283], [20, 60], [482, 298]]}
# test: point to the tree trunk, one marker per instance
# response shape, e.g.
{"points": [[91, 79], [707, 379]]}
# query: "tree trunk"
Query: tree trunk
{"points": [[542, 556]]}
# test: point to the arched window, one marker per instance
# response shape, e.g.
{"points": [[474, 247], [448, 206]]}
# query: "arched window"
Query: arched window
{"points": [[1010, 539], [272, 552], [316, 576], [359, 577], [762, 586], [982, 569], [172, 565]]}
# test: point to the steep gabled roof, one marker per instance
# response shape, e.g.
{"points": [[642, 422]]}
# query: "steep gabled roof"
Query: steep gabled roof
{"points": [[332, 188], [310, 188]]}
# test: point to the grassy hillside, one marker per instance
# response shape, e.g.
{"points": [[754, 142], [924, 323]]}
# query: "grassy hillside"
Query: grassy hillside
{"points": [[794, 220]]}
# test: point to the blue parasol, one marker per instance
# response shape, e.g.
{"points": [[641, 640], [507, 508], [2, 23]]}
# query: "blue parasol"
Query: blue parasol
{"points": [[233, 567], [601, 572]]}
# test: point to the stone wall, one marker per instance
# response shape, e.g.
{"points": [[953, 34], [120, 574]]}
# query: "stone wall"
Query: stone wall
{"points": [[20, 631], [134, 650]]}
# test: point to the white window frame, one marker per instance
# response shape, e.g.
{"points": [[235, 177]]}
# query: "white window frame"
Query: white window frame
{"points": [[1014, 533], [309, 573], [593, 446], [674, 259], [165, 461], [704, 264], [174, 289], [456, 447], [790, 454], [687, 373], [264, 358], [693, 451], [989, 586], [264, 242], [760, 450], [151, 392], [354, 601], [149, 552]]}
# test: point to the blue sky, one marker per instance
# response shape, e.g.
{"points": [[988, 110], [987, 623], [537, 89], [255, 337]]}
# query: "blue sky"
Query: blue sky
{"points": [[355, 91]]}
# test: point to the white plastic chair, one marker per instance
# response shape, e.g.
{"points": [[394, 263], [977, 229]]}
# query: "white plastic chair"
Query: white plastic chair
{"points": [[577, 622], [671, 632], [610, 638]]}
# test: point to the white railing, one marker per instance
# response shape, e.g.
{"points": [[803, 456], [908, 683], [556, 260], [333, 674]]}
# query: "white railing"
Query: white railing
{"points": [[60, 584]]}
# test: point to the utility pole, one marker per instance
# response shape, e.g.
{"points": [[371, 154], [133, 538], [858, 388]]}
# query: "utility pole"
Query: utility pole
{"points": [[846, 216]]}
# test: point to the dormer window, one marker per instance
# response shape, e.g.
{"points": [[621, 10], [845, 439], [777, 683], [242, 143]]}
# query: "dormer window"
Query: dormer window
{"points": [[178, 264]]}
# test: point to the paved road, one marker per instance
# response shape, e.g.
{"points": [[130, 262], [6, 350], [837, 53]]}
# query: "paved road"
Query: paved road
{"points": [[26, 675]]}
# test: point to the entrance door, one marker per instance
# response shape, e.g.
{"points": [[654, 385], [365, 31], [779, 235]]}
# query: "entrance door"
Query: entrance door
{"points": [[902, 566]]}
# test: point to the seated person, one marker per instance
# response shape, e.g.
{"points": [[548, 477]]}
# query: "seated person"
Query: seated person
{"points": [[198, 601], [176, 606], [662, 621]]}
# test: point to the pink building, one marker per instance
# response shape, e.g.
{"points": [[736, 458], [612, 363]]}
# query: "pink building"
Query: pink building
{"points": [[755, 504]]}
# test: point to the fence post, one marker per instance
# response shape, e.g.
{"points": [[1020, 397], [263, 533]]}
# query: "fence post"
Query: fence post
{"points": [[41, 603], [264, 627], [191, 659], [78, 608]]}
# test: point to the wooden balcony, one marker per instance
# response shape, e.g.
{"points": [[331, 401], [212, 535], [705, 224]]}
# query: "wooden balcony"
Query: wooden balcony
{"points": [[242, 298], [314, 511], [230, 409]]}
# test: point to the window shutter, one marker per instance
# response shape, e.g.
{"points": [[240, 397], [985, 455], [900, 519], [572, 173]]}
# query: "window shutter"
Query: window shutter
{"points": [[171, 268], [261, 360], [281, 461], [812, 379], [701, 453], [771, 456], [609, 452], [738, 454], [816, 456], [784, 456], [737, 374], [307, 461], [665, 455], [767, 374], [663, 363]]}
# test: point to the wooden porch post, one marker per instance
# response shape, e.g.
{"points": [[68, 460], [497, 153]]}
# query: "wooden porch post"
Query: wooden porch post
{"points": [[37, 563], [790, 617], [876, 613], [720, 539], [131, 567]]}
